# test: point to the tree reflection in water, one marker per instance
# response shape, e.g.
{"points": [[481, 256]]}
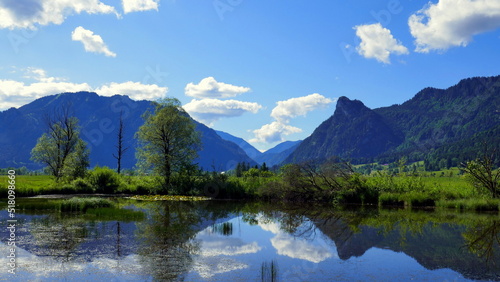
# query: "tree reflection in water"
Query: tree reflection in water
{"points": [[168, 236], [58, 239], [269, 271], [483, 239], [167, 239], [225, 229]]}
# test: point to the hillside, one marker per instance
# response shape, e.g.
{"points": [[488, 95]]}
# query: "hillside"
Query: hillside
{"points": [[426, 125], [99, 117], [250, 150]]}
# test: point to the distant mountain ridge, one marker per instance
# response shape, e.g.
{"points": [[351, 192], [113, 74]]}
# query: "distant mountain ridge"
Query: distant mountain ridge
{"points": [[250, 150], [271, 157], [98, 117], [431, 121]]}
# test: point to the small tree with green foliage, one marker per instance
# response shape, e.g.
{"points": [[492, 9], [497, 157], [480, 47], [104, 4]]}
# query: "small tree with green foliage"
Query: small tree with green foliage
{"points": [[61, 149], [168, 140]]}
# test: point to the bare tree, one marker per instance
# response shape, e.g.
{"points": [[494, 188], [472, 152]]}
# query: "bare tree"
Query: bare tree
{"points": [[119, 144], [483, 173]]}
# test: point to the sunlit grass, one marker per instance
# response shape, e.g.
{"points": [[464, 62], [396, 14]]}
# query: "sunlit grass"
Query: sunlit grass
{"points": [[168, 198], [475, 204]]}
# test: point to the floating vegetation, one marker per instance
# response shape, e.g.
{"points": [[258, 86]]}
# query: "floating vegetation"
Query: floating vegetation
{"points": [[168, 198], [82, 204]]}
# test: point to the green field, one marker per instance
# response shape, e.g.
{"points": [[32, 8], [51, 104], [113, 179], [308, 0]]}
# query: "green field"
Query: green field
{"points": [[431, 189]]}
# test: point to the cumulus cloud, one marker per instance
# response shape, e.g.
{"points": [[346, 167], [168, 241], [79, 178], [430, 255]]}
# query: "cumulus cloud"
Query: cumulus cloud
{"points": [[39, 74], [130, 6], [91, 42], [273, 132], [16, 93], [29, 13], [292, 247], [209, 111], [298, 106], [135, 90], [295, 247], [283, 112], [210, 88], [450, 23], [378, 43]]}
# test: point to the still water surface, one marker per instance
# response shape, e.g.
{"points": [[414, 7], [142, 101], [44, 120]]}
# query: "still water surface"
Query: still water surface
{"points": [[231, 241]]}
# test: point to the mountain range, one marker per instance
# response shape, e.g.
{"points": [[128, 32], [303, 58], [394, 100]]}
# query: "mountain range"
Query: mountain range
{"points": [[99, 118], [436, 125]]}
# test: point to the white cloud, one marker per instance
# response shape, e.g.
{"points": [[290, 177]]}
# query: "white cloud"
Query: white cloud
{"points": [[378, 43], [292, 247], [285, 244], [130, 6], [283, 112], [208, 268], [91, 42], [298, 106], [210, 110], [16, 93], [273, 132], [40, 75], [210, 88], [450, 23], [212, 247], [29, 13], [135, 90]]}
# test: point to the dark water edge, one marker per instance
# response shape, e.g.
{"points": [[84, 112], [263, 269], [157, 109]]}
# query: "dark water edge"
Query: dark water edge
{"points": [[256, 241]]}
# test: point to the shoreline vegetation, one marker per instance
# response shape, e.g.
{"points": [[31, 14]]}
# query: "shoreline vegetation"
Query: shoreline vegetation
{"points": [[337, 183]]}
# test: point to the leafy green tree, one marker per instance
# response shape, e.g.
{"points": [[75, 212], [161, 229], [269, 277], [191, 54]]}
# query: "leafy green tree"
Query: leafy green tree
{"points": [[78, 162], [168, 140], [61, 149]]}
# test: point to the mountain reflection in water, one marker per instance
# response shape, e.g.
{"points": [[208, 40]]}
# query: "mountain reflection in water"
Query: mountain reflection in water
{"points": [[220, 241]]}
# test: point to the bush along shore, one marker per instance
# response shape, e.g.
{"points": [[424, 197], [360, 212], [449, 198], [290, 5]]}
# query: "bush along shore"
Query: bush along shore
{"points": [[474, 187]]}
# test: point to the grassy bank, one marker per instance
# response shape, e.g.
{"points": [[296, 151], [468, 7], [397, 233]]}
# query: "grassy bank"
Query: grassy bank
{"points": [[453, 192]]}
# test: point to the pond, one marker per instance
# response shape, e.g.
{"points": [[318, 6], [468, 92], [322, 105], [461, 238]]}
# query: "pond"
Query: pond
{"points": [[236, 241]]}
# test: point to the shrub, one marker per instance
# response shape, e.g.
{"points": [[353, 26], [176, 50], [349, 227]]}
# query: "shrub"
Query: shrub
{"points": [[104, 180], [82, 186]]}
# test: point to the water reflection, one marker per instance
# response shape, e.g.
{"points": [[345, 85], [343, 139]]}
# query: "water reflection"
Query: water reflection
{"points": [[199, 241], [269, 271]]}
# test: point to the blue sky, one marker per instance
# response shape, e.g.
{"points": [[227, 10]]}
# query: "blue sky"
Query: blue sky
{"points": [[265, 71]]}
